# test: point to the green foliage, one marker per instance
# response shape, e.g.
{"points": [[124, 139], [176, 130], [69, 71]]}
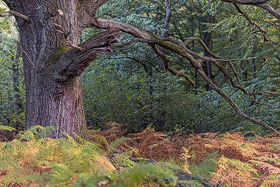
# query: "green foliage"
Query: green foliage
{"points": [[115, 144], [148, 173], [123, 160], [64, 162], [61, 159], [35, 132], [205, 168], [6, 128], [11, 75]]}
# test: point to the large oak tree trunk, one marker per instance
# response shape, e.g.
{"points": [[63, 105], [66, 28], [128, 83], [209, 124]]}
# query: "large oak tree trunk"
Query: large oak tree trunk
{"points": [[48, 101], [53, 85]]}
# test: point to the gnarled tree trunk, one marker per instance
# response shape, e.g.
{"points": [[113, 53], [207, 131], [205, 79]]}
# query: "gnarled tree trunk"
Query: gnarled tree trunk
{"points": [[53, 63]]}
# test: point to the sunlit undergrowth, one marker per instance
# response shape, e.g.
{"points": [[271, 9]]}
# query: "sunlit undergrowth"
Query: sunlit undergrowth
{"points": [[144, 159]]}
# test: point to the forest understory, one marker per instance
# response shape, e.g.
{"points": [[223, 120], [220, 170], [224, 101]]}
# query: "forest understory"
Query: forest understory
{"points": [[112, 157]]}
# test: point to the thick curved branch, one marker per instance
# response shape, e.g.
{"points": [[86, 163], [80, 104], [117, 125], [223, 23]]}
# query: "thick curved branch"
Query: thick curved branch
{"points": [[180, 49], [247, 2], [106, 24], [269, 9], [73, 62], [259, 3]]}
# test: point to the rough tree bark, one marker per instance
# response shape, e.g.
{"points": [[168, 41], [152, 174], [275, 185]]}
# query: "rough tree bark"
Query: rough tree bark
{"points": [[52, 63]]}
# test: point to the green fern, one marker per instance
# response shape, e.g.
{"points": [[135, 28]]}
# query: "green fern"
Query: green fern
{"points": [[205, 168], [6, 128], [115, 144], [149, 173], [122, 160], [45, 161], [36, 132], [191, 183], [101, 140]]}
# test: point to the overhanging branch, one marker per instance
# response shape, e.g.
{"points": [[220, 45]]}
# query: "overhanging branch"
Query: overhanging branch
{"points": [[252, 22], [178, 48], [170, 69], [271, 10], [259, 3], [246, 2]]}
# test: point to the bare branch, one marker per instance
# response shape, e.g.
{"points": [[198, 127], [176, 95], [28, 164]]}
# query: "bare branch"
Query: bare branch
{"points": [[14, 13], [252, 22], [178, 48], [259, 3], [170, 69], [167, 18], [228, 99], [234, 106], [29, 59], [271, 10], [246, 2], [216, 60]]}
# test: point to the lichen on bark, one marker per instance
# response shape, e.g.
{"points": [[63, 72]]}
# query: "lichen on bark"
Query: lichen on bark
{"points": [[56, 55]]}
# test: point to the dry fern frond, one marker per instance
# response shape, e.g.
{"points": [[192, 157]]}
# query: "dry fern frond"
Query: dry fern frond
{"points": [[235, 146], [265, 167], [234, 173], [241, 161], [114, 131], [272, 180]]}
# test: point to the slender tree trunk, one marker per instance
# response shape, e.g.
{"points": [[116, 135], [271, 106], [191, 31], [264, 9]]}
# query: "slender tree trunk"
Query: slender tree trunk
{"points": [[254, 68], [207, 37], [245, 73], [16, 81]]}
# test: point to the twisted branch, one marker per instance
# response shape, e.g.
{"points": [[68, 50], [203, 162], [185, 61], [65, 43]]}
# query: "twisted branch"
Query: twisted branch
{"points": [[178, 48]]}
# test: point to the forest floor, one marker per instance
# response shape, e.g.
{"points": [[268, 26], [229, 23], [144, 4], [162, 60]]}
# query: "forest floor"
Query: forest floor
{"points": [[148, 158]]}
